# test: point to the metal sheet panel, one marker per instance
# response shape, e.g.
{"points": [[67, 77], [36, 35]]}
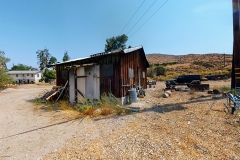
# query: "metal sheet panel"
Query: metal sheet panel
{"points": [[92, 82], [71, 86], [81, 83]]}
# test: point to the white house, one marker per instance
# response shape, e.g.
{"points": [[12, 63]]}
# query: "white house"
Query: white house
{"points": [[26, 76]]}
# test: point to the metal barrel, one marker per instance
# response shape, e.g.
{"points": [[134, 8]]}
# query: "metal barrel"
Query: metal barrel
{"points": [[133, 95]]}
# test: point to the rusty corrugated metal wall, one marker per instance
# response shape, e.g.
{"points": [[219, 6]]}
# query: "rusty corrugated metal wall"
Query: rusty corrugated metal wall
{"points": [[133, 61], [62, 75], [114, 84], [236, 45]]}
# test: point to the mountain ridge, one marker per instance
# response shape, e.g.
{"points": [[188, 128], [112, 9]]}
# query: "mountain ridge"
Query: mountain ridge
{"points": [[155, 58]]}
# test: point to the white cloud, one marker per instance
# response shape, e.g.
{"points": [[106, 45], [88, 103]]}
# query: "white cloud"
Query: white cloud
{"points": [[211, 6]]}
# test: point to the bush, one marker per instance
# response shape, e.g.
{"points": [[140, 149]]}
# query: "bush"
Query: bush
{"points": [[5, 78], [151, 72], [49, 74], [160, 70]]}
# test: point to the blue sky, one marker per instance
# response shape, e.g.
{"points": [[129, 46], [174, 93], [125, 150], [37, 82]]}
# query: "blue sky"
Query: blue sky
{"points": [[81, 27]]}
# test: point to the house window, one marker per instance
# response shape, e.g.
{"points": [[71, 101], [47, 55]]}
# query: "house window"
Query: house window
{"points": [[16, 75], [32, 75], [37, 75], [23, 75], [143, 74], [27, 74]]}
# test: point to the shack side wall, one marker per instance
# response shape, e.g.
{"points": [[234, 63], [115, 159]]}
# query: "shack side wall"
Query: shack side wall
{"points": [[133, 61]]}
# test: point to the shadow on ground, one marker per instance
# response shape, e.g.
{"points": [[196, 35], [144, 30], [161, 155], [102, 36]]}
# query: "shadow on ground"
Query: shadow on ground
{"points": [[178, 106]]}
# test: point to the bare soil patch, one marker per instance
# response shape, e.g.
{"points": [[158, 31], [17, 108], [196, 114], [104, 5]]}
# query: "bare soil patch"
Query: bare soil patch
{"points": [[166, 128]]}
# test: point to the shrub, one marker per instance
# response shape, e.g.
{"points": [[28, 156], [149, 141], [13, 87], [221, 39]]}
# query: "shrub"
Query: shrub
{"points": [[5, 78], [160, 70]]}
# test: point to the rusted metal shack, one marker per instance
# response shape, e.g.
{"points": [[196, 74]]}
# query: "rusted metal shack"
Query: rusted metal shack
{"points": [[236, 45], [109, 72]]}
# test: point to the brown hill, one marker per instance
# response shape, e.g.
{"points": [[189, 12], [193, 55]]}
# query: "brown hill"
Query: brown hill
{"points": [[203, 64], [212, 57]]}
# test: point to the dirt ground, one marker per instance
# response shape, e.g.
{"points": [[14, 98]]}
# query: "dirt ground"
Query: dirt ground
{"points": [[166, 128]]}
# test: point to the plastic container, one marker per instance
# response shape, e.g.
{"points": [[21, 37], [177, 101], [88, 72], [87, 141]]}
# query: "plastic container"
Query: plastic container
{"points": [[150, 85]]}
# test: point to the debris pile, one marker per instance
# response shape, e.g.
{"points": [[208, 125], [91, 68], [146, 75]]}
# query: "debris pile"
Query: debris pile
{"points": [[51, 95], [55, 93]]}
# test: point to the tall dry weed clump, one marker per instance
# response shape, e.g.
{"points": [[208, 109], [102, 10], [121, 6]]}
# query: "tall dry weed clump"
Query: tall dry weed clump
{"points": [[223, 88], [107, 105]]}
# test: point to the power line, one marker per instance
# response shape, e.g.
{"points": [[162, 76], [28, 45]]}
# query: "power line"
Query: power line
{"points": [[132, 16], [150, 17], [141, 17]]}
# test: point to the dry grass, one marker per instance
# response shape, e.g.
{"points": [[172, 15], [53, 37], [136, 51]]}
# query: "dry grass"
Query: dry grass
{"points": [[177, 133], [106, 111], [108, 105], [182, 131], [11, 86], [175, 66]]}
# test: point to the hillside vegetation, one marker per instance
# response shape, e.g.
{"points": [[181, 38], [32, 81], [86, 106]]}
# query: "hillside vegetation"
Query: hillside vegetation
{"points": [[174, 65]]}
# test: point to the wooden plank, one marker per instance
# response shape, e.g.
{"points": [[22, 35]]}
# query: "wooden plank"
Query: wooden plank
{"points": [[80, 93], [53, 94], [62, 91]]}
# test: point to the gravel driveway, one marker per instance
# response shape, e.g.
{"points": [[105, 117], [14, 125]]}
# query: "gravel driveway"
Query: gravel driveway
{"points": [[172, 128]]}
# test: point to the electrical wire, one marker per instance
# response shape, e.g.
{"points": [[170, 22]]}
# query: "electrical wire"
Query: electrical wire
{"points": [[150, 17], [142, 16], [132, 17]]}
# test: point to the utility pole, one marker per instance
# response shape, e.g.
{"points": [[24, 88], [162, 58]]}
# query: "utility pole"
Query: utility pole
{"points": [[235, 81], [224, 61]]}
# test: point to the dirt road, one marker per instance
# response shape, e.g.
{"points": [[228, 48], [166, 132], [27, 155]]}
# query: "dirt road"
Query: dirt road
{"points": [[26, 132]]}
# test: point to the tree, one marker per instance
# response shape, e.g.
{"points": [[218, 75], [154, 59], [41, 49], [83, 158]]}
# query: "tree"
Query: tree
{"points": [[115, 43], [22, 67], [49, 74], [66, 56], [43, 57], [53, 60], [3, 59]]}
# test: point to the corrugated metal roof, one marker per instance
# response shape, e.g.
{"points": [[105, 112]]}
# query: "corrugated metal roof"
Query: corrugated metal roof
{"points": [[77, 59], [127, 50], [23, 72]]}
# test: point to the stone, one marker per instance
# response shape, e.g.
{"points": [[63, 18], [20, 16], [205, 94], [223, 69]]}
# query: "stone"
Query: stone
{"points": [[165, 95]]}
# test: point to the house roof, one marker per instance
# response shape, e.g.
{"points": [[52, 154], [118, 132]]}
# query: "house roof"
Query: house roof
{"points": [[23, 72], [126, 51]]}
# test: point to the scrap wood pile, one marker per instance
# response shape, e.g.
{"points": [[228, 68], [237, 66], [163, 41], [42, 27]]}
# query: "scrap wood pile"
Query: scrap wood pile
{"points": [[53, 94]]}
